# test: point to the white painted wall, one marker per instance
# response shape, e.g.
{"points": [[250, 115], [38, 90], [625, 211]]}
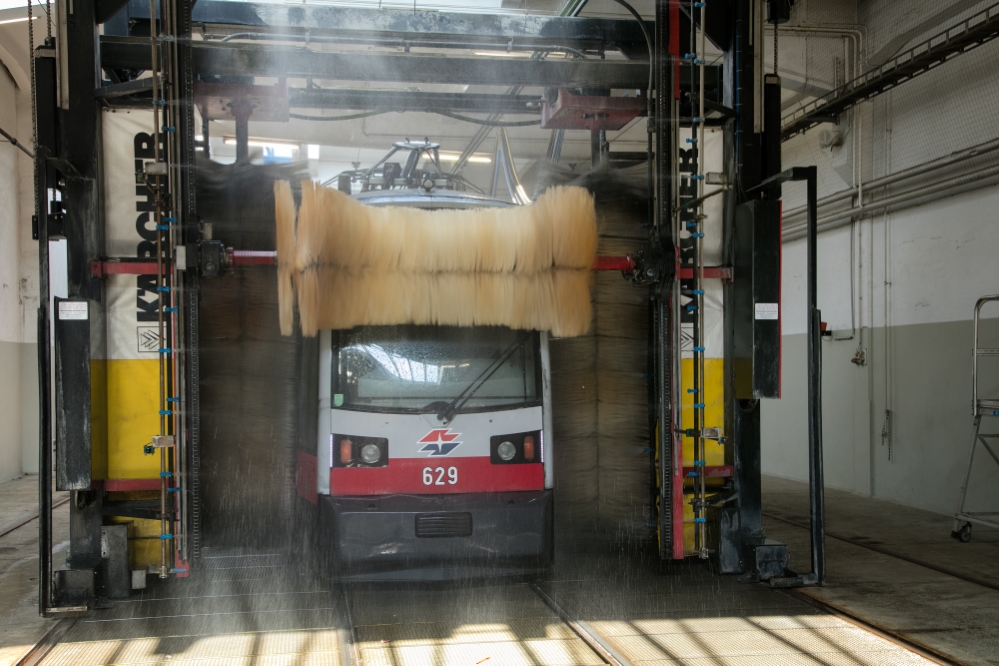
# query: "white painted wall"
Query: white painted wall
{"points": [[10, 307], [940, 261], [18, 259], [914, 274]]}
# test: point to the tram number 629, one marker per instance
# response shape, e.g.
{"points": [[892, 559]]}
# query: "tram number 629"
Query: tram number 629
{"points": [[435, 476]]}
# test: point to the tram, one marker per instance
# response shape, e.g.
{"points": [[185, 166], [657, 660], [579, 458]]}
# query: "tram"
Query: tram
{"points": [[433, 454]]}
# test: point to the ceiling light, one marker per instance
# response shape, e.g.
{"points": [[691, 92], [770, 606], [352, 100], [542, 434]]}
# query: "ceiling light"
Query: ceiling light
{"points": [[17, 20], [262, 143], [474, 159]]}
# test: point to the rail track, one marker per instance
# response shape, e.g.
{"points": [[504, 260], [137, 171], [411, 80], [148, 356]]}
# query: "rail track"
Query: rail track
{"points": [[353, 649]]}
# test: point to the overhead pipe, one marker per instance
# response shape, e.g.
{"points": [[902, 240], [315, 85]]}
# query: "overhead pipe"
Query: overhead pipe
{"points": [[791, 216], [905, 200], [509, 47]]}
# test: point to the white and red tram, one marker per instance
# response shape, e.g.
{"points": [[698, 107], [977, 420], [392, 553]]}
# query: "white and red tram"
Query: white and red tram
{"points": [[434, 449]]}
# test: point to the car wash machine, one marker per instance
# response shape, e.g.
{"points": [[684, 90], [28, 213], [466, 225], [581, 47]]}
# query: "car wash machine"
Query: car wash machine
{"points": [[122, 385]]}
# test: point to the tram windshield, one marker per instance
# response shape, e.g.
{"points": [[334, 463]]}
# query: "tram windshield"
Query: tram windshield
{"points": [[423, 368]]}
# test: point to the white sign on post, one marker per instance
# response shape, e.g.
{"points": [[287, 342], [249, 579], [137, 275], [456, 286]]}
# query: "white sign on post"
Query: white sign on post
{"points": [[72, 310], [767, 311]]}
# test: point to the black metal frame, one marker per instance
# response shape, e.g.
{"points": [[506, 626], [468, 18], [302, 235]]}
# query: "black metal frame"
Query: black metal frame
{"points": [[816, 484], [220, 18], [78, 155]]}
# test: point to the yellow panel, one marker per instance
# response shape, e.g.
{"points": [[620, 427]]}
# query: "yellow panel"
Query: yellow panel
{"points": [[714, 417], [714, 412], [98, 420], [133, 418], [143, 541]]}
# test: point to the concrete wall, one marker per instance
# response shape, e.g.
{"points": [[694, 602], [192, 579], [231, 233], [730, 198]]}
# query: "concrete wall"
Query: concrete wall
{"points": [[899, 288], [18, 261], [940, 261]]}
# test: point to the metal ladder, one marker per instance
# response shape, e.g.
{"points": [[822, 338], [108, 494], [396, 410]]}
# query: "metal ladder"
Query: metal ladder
{"points": [[963, 520]]}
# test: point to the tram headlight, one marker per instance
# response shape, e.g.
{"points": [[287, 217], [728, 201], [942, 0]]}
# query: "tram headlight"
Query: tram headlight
{"points": [[370, 453], [506, 451], [359, 451], [515, 448]]}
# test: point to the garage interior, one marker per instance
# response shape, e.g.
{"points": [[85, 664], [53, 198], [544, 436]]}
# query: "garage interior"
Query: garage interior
{"points": [[774, 443]]}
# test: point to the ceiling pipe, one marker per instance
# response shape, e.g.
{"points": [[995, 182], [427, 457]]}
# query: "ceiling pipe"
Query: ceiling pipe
{"points": [[911, 198], [793, 217]]}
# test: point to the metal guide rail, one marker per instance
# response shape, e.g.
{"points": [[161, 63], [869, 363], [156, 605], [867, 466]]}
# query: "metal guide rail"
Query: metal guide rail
{"points": [[353, 647]]}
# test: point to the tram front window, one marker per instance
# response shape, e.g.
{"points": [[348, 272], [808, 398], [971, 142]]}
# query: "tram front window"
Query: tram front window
{"points": [[422, 368]]}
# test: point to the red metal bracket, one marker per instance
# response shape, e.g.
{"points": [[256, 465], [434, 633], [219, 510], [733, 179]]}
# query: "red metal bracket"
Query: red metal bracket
{"points": [[101, 269], [592, 112], [626, 263], [713, 471]]}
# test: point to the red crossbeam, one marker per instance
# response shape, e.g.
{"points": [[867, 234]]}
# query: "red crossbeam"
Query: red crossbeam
{"points": [[713, 471], [625, 263], [99, 269]]}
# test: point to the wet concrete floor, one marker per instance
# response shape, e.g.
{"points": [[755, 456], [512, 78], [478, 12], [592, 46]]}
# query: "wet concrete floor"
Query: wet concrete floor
{"points": [[953, 617], [246, 608]]}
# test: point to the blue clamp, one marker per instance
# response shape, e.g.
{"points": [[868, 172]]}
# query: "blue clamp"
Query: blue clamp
{"points": [[161, 102], [698, 405], [691, 308], [697, 176], [165, 128], [700, 520], [697, 234], [691, 225], [699, 349], [690, 140], [698, 292], [173, 399], [162, 227], [175, 489], [689, 56], [166, 475], [165, 350], [693, 474], [169, 309], [698, 463], [694, 121], [169, 219], [693, 390], [700, 4], [163, 288], [166, 412], [178, 570], [166, 537]]}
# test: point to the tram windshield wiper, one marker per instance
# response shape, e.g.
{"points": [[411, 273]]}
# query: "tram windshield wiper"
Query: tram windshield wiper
{"points": [[451, 409]]}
